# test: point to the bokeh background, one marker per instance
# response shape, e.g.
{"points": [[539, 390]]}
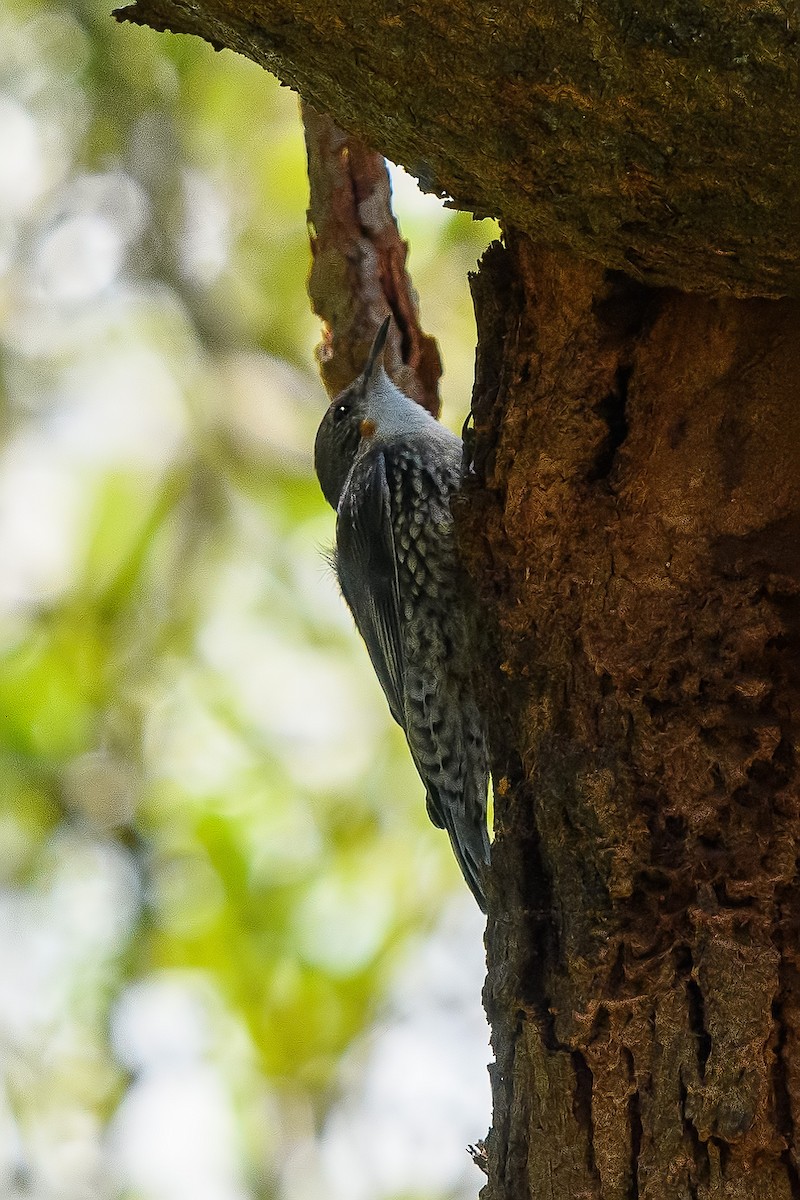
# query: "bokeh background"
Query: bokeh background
{"points": [[235, 959]]}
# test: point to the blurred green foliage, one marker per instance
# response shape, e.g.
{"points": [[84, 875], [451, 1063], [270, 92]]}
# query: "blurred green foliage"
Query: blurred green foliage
{"points": [[198, 773]]}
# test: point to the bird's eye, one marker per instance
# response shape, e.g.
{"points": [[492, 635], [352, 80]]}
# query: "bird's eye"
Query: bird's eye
{"points": [[340, 412]]}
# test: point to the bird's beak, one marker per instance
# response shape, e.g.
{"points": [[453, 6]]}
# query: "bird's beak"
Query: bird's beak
{"points": [[378, 346]]}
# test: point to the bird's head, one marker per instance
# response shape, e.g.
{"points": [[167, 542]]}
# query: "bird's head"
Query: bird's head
{"points": [[371, 409]]}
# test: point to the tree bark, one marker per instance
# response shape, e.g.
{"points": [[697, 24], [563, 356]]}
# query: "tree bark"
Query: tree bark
{"points": [[358, 273], [631, 518], [662, 139]]}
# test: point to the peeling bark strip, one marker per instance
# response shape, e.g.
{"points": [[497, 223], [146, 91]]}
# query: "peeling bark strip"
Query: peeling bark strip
{"points": [[656, 138], [633, 522], [359, 268]]}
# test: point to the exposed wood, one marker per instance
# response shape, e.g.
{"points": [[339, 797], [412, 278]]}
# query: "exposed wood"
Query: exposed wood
{"points": [[358, 274]]}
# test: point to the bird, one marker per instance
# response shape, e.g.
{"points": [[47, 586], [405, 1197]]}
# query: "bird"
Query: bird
{"points": [[389, 470]]}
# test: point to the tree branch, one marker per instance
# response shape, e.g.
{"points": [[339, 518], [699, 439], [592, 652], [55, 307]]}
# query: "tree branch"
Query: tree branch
{"points": [[657, 139], [359, 270]]}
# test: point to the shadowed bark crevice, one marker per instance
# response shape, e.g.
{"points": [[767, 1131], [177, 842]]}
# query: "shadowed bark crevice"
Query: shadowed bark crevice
{"points": [[611, 409], [582, 1108], [696, 1008], [635, 1125]]}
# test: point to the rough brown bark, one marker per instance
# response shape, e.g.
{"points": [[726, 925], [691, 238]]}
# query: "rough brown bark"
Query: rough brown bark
{"points": [[634, 522], [660, 137], [358, 273]]}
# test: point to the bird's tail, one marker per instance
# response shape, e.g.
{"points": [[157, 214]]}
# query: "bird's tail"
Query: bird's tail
{"points": [[469, 837]]}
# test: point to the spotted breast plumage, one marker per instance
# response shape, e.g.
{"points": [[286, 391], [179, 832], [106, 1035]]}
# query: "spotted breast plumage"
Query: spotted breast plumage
{"points": [[389, 469]]}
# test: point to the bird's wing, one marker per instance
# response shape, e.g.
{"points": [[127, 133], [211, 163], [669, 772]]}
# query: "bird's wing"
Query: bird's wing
{"points": [[367, 570]]}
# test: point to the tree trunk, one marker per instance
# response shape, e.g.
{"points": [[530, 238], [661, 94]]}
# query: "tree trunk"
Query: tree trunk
{"points": [[632, 521]]}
